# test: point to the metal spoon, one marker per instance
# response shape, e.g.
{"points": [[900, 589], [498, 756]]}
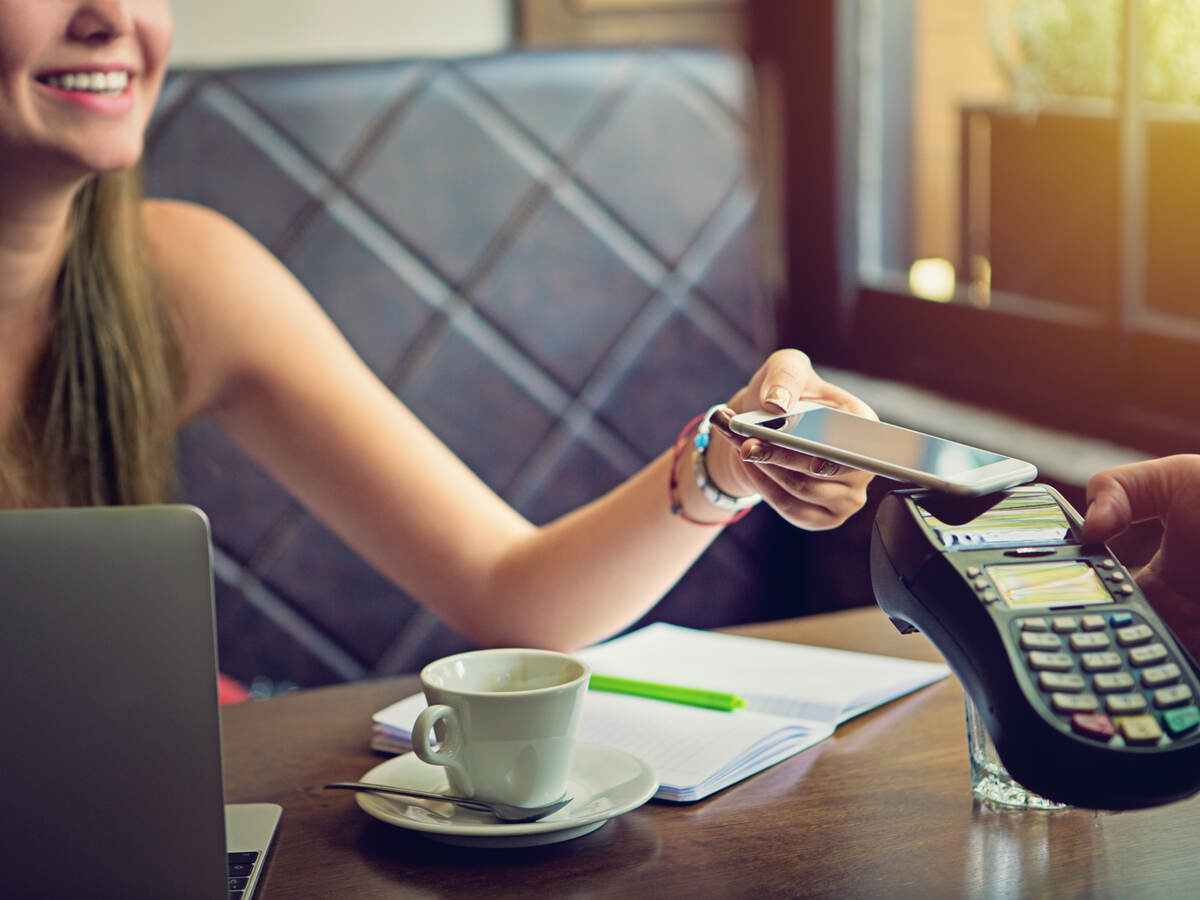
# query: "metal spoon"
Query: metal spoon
{"points": [[505, 812]]}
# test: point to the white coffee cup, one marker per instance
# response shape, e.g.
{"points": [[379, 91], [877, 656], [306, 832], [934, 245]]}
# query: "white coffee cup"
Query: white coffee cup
{"points": [[506, 722]]}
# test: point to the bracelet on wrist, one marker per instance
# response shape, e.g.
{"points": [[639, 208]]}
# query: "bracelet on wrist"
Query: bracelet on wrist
{"points": [[699, 431]]}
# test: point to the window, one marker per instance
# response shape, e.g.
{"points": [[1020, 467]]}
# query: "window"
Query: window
{"points": [[1012, 195]]}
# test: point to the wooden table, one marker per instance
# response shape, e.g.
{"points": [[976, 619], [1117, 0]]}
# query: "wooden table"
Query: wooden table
{"points": [[883, 808]]}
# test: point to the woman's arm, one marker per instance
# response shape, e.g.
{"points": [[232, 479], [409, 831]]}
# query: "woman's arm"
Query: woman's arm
{"points": [[266, 362]]}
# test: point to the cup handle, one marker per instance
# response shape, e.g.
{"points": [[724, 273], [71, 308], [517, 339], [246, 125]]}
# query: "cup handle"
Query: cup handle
{"points": [[445, 752]]}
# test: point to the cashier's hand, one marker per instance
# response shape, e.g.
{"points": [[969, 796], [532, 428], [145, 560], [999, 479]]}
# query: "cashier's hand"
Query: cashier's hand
{"points": [[1167, 489], [809, 492]]}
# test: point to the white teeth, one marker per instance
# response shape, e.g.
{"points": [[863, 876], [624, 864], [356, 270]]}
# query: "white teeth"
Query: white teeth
{"points": [[96, 82]]}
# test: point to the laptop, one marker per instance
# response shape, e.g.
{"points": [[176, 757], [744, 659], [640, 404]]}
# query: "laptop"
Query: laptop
{"points": [[111, 745]]}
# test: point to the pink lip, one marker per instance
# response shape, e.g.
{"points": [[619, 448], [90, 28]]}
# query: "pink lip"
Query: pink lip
{"points": [[106, 104]]}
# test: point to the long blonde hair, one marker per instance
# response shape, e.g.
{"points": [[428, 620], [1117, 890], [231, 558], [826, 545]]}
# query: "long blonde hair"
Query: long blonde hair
{"points": [[101, 410]]}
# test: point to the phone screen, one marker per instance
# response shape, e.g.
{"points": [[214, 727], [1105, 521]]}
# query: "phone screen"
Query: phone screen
{"points": [[889, 443]]}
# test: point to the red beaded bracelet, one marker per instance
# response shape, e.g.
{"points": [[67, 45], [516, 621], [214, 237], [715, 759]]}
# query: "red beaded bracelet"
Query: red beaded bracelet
{"points": [[676, 504]]}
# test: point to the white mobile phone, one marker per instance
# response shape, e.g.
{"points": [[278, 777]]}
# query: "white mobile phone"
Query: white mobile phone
{"points": [[887, 450]]}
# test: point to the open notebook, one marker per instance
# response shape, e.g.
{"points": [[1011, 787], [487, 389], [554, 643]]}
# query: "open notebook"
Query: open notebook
{"points": [[795, 697]]}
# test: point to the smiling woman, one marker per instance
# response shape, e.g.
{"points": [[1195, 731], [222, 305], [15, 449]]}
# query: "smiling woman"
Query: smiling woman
{"points": [[122, 320], [80, 80]]}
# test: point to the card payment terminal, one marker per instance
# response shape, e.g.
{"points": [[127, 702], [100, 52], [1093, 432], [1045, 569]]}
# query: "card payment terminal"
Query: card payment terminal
{"points": [[1087, 695]]}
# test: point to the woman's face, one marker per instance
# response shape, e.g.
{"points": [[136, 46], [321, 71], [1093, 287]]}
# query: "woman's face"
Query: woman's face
{"points": [[78, 81]]}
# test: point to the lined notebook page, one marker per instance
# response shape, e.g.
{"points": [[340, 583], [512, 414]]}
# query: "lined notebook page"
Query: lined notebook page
{"points": [[796, 695]]}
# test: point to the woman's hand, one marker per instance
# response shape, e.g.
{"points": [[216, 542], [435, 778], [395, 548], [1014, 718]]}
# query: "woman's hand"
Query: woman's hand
{"points": [[809, 492]]}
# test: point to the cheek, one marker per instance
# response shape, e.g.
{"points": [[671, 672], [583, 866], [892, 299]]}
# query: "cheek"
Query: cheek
{"points": [[155, 32], [17, 43]]}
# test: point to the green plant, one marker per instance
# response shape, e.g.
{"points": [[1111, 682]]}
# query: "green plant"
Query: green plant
{"points": [[1073, 48]]}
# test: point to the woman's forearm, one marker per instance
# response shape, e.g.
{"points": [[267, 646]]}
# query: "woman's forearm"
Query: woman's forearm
{"points": [[599, 568]]}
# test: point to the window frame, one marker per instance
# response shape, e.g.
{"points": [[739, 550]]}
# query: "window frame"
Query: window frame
{"points": [[1124, 374]]}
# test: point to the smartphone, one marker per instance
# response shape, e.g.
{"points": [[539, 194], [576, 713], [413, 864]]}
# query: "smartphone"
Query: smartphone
{"points": [[888, 450]]}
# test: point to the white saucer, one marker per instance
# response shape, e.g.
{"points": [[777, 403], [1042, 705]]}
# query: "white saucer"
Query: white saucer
{"points": [[603, 783]]}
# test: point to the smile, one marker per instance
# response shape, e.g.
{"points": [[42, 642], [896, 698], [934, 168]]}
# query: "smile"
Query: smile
{"points": [[91, 82]]}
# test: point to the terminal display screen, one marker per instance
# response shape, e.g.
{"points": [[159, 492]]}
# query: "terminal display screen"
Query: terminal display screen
{"points": [[1048, 584], [1023, 518]]}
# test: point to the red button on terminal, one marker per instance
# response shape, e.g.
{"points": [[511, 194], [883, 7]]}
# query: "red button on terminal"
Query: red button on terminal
{"points": [[1093, 725]]}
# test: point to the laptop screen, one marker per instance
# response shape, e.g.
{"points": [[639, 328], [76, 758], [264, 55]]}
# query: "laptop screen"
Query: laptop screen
{"points": [[112, 753]]}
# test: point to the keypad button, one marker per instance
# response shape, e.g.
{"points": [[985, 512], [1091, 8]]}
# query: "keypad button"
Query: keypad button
{"points": [[1117, 576], [1148, 655], [1093, 725], [1093, 622], [1090, 640], [1041, 661], [1032, 640], [1120, 619], [1139, 729], [1108, 564], [1134, 634], [1107, 682], [1106, 661], [1157, 676], [974, 571], [1125, 704], [1175, 695], [1064, 703], [989, 596], [1061, 681], [1036, 623], [981, 584], [1065, 624], [1181, 721], [1126, 589]]}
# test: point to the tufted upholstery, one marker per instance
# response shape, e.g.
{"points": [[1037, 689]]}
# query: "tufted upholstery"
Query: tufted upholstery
{"points": [[546, 255]]}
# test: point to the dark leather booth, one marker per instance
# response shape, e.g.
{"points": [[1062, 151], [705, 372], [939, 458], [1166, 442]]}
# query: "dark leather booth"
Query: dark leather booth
{"points": [[549, 256]]}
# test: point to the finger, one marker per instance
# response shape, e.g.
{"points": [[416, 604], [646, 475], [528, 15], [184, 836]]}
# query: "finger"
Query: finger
{"points": [[1134, 492], [1109, 511], [756, 451], [799, 511], [753, 450], [786, 489], [720, 419], [786, 375]]}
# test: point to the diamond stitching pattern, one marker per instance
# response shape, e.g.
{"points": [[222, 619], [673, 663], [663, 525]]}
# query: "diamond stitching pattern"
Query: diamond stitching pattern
{"points": [[556, 241]]}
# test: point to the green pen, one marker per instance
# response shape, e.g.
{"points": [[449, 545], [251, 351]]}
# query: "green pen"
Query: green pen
{"points": [[672, 693]]}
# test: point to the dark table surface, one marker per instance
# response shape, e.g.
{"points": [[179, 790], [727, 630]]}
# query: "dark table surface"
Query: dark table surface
{"points": [[883, 808]]}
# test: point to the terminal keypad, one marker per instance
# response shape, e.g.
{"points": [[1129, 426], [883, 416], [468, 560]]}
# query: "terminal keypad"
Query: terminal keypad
{"points": [[1110, 678]]}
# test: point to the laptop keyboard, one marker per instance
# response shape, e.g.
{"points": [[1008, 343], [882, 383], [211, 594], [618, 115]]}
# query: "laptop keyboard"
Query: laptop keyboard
{"points": [[241, 866]]}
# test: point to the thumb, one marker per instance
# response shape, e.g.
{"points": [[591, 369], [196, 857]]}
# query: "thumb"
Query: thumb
{"points": [[1108, 510]]}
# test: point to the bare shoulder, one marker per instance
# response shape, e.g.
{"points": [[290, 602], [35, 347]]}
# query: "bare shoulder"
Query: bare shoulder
{"points": [[185, 239], [225, 286]]}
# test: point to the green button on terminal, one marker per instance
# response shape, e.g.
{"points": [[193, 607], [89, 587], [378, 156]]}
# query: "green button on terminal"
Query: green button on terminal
{"points": [[1180, 721]]}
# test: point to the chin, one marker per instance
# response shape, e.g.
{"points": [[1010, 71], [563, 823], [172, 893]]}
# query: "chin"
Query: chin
{"points": [[100, 161]]}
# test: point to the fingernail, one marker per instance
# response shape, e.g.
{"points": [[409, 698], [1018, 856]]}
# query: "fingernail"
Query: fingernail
{"points": [[755, 452], [824, 467], [779, 396], [720, 421]]}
